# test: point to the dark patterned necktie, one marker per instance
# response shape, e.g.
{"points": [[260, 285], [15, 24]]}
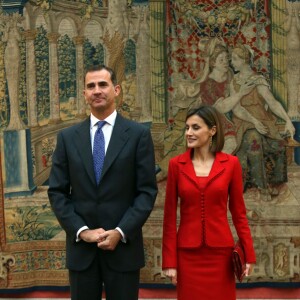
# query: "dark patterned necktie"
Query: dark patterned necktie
{"points": [[99, 151]]}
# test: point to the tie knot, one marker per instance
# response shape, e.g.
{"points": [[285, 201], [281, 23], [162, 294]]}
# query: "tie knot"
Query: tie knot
{"points": [[101, 124]]}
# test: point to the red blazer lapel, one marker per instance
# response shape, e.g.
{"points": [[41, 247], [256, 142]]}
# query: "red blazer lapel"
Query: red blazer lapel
{"points": [[217, 167], [187, 167], [188, 170]]}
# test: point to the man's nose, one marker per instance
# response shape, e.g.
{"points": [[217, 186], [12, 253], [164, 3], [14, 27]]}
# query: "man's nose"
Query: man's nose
{"points": [[97, 89]]}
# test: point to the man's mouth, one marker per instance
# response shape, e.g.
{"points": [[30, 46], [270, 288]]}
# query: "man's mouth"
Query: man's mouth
{"points": [[98, 99]]}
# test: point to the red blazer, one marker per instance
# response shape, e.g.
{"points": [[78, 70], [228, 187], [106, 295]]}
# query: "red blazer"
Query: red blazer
{"points": [[203, 212]]}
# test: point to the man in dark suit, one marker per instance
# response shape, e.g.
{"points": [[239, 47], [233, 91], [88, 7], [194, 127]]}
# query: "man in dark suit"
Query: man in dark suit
{"points": [[103, 220]]}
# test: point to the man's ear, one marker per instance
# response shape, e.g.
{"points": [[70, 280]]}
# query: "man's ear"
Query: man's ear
{"points": [[117, 90], [83, 93]]}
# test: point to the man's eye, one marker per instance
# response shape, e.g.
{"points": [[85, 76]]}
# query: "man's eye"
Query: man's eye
{"points": [[90, 85]]}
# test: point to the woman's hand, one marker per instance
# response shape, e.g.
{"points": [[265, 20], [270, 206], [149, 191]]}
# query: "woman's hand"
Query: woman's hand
{"points": [[289, 128], [260, 127], [246, 88], [172, 274], [249, 268]]}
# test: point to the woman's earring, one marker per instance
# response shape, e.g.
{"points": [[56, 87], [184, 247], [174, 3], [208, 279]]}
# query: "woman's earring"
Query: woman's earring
{"points": [[210, 142]]}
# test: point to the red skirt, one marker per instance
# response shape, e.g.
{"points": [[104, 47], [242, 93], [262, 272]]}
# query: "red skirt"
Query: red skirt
{"points": [[205, 273]]}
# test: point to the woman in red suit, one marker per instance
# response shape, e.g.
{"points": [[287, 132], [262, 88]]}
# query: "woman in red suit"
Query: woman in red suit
{"points": [[197, 253]]}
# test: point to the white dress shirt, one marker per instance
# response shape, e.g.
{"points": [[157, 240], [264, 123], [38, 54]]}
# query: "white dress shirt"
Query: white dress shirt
{"points": [[107, 131]]}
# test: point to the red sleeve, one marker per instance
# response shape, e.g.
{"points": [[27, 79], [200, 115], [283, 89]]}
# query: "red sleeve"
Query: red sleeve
{"points": [[238, 211], [169, 240]]}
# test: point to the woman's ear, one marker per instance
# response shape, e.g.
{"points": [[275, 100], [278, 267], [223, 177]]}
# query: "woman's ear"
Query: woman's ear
{"points": [[213, 130]]}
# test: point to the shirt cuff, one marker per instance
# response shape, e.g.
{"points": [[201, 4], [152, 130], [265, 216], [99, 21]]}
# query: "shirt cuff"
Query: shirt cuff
{"points": [[78, 239], [123, 239]]}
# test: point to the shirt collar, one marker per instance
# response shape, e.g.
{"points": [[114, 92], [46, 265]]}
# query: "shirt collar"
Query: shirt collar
{"points": [[111, 119]]}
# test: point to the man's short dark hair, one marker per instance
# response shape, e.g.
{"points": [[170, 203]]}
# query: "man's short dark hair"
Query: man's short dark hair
{"points": [[94, 68]]}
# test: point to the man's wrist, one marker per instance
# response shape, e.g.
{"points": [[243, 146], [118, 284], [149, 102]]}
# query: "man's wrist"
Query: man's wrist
{"points": [[78, 238], [123, 237]]}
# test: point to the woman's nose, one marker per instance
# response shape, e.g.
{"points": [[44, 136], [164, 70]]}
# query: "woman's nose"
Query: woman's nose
{"points": [[188, 131]]}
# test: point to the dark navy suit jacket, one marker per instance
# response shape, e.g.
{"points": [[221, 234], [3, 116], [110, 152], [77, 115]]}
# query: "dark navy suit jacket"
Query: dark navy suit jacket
{"points": [[124, 198]]}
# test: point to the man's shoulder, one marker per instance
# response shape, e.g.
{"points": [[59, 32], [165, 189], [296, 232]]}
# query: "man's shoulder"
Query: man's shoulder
{"points": [[75, 127], [133, 124]]}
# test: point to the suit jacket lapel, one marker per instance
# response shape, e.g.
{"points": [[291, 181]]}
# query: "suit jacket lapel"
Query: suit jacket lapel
{"points": [[83, 145], [119, 138]]}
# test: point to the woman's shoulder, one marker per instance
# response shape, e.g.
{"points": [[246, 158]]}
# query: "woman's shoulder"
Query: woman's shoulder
{"points": [[182, 157], [222, 156], [254, 78], [259, 79]]}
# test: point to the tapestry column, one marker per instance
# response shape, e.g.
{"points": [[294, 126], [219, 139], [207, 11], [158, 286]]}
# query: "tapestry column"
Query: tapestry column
{"points": [[142, 68], [54, 82], [31, 78], [158, 73], [16, 137], [7, 259], [80, 101]]}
